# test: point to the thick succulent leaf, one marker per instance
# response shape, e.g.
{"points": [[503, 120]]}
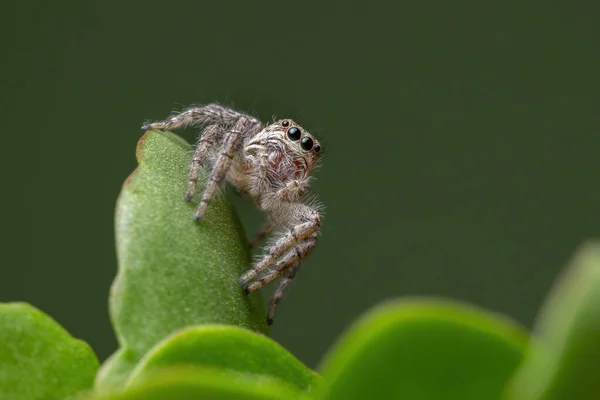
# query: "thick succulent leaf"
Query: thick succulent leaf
{"points": [[424, 349], [237, 350], [191, 383], [38, 358], [116, 369], [565, 363], [173, 272]]}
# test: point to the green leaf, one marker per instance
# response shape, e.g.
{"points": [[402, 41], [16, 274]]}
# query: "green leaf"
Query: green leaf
{"points": [[235, 349], [565, 361], [38, 358], [173, 272], [192, 383], [424, 349]]}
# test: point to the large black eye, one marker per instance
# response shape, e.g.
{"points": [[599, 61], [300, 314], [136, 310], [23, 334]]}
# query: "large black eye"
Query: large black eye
{"points": [[306, 143], [285, 124], [294, 133]]}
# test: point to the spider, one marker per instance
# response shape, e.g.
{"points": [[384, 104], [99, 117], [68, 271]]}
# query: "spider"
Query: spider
{"points": [[268, 164]]}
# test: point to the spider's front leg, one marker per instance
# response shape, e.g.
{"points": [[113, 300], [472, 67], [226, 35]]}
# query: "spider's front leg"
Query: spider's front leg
{"points": [[287, 266], [298, 241], [291, 259]]}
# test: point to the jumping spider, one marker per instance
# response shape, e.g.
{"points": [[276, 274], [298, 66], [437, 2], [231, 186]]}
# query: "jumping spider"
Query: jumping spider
{"points": [[268, 164]]}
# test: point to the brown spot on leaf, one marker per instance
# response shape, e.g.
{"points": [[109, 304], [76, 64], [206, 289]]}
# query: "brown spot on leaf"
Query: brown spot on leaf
{"points": [[138, 156], [140, 143], [130, 177]]}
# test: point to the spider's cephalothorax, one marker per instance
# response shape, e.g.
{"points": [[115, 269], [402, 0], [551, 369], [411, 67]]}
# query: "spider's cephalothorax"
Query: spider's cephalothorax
{"points": [[268, 164]]}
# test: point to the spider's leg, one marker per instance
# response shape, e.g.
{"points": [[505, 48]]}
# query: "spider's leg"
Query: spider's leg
{"points": [[266, 229], [287, 261], [222, 164], [203, 146], [278, 295], [307, 222], [209, 114]]}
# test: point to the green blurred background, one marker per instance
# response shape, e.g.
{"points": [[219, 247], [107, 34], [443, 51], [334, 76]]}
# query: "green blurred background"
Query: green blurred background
{"points": [[461, 159]]}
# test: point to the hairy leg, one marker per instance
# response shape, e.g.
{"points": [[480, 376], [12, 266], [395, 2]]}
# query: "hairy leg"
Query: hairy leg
{"points": [[278, 295], [305, 222], [206, 141], [290, 259], [210, 114], [222, 164]]}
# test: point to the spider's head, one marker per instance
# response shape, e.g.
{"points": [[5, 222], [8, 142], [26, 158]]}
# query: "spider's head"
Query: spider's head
{"points": [[296, 141]]}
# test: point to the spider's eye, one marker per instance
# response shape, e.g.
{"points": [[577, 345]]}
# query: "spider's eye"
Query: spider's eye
{"points": [[294, 133], [306, 143], [317, 148], [285, 124]]}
